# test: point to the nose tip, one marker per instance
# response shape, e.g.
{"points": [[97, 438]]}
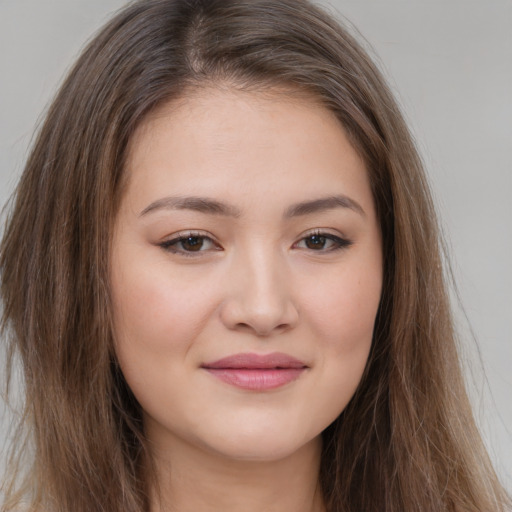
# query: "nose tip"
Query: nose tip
{"points": [[261, 306], [261, 321]]}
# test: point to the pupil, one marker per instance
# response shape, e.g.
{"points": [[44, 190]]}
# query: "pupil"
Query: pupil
{"points": [[192, 243], [315, 242]]}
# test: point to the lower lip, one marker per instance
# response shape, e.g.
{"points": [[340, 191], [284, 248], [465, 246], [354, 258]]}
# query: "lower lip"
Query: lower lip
{"points": [[256, 379]]}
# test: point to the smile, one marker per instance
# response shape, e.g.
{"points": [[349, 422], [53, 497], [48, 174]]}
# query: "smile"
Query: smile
{"points": [[257, 372]]}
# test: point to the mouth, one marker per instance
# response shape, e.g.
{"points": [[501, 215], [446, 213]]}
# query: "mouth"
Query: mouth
{"points": [[257, 372]]}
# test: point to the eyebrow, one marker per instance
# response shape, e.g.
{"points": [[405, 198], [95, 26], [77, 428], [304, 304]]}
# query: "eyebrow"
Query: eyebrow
{"points": [[214, 207], [198, 204], [323, 204]]}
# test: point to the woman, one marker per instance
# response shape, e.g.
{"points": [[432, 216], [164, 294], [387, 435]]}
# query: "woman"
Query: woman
{"points": [[232, 294]]}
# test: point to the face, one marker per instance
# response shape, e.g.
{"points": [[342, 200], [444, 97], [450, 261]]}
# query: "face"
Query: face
{"points": [[246, 273]]}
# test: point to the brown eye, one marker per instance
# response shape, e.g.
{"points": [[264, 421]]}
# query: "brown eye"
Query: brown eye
{"points": [[192, 243], [324, 242], [188, 244], [315, 242]]}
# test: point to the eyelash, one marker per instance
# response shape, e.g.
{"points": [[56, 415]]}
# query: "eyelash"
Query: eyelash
{"points": [[172, 244], [339, 243]]}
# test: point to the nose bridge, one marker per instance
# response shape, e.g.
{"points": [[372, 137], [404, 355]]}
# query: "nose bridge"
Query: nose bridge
{"points": [[264, 269], [260, 297]]}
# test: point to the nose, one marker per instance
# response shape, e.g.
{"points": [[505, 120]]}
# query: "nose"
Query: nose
{"points": [[258, 296]]}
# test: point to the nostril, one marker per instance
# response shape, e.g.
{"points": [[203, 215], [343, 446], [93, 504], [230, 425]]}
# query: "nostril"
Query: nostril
{"points": [[257, 312]]}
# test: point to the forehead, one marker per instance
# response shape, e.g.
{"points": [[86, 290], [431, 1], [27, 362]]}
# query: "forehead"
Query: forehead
{"points": [[199, 103], [233, 141]]}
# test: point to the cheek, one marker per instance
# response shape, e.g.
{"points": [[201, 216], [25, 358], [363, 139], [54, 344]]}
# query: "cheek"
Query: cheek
{"points": [[156, 315], [157, 318], [343, 311]]}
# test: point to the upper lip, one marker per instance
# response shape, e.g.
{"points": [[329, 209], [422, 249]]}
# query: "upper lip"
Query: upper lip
{"points": [[275, 360]]}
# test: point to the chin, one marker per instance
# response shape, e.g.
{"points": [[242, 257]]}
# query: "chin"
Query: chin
{"points": [[261, 447]]}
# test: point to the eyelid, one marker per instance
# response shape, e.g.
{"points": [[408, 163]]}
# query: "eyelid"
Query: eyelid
{"points": [[341, 240], [170, 243], [174, 239]]}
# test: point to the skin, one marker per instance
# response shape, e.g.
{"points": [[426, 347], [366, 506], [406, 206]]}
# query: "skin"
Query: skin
{"points": [[263, 280]]}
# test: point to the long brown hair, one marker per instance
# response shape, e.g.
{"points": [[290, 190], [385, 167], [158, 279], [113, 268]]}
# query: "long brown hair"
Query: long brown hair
{"points": [[407, 440]]}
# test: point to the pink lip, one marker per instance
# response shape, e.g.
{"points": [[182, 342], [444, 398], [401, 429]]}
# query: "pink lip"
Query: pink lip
{"points": [[257, 372]]}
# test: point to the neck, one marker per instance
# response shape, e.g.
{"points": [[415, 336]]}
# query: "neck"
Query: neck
{"points": [[205, 481]]}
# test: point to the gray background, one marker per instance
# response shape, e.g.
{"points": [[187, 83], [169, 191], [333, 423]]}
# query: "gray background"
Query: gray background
{"points": [[450, 63]]}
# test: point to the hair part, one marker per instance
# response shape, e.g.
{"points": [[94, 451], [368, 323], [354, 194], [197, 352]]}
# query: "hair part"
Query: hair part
{"points": [[406, 441]]}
